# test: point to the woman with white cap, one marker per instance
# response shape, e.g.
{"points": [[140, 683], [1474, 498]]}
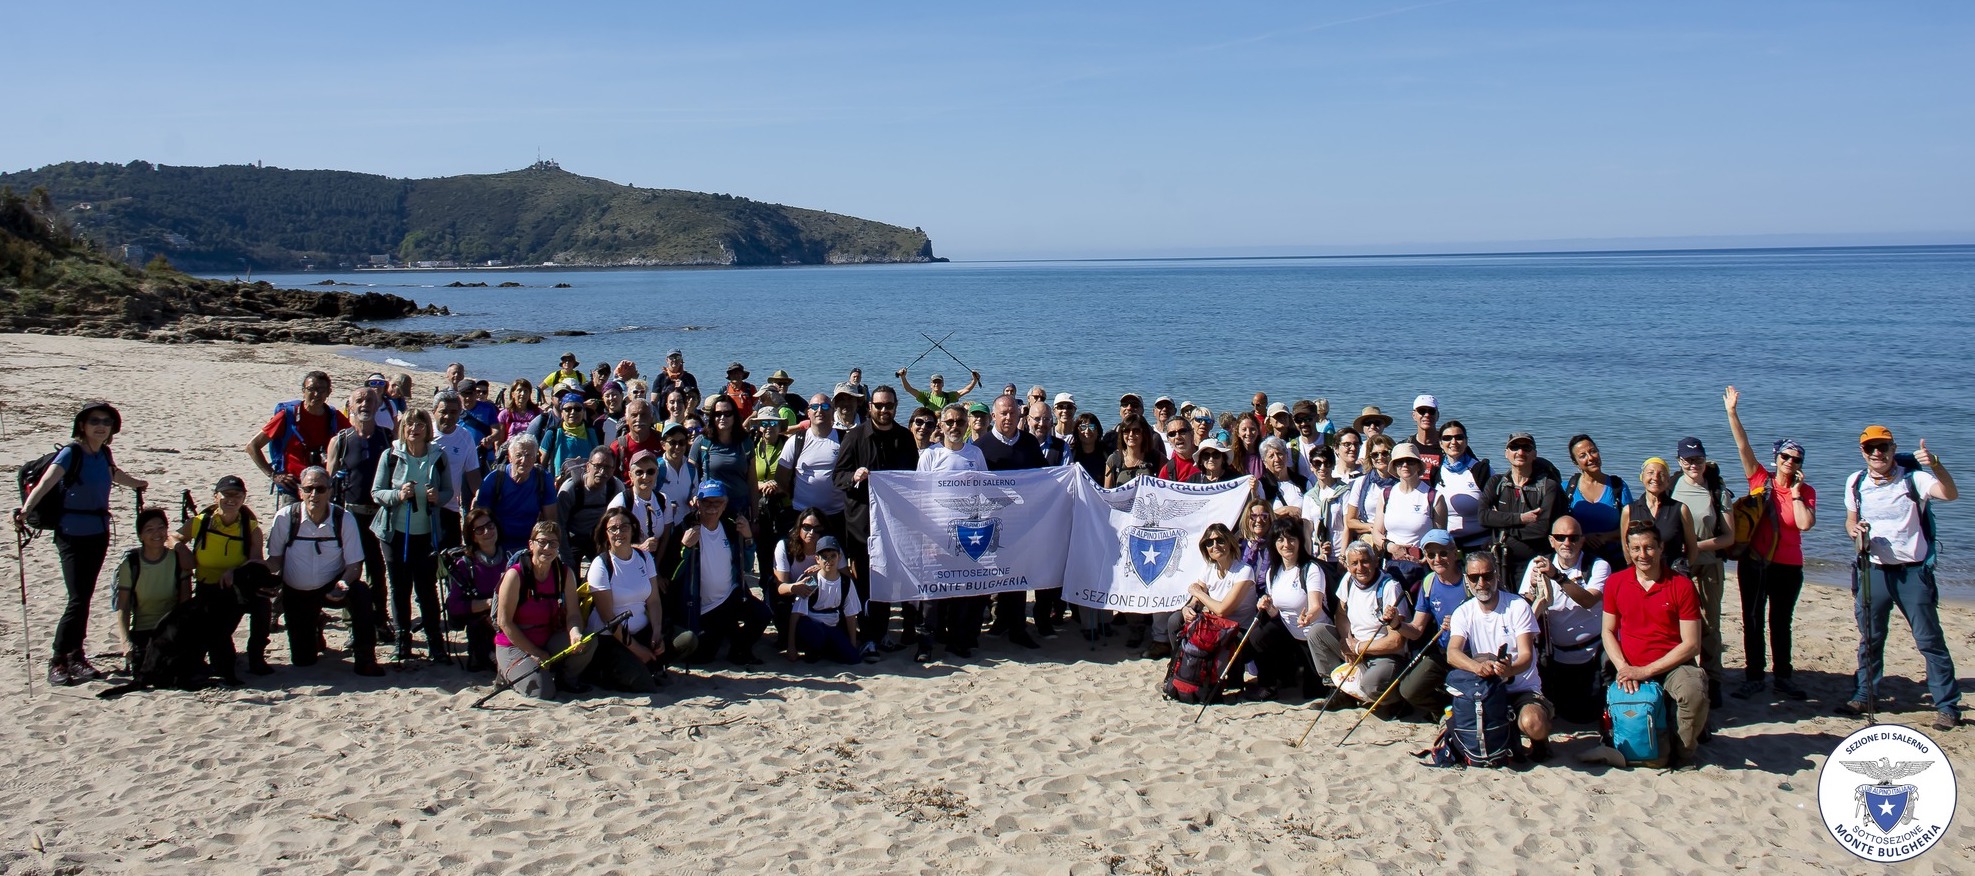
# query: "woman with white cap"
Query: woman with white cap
{"points": [[82, 473], [1403, 514], [1212, 459]]}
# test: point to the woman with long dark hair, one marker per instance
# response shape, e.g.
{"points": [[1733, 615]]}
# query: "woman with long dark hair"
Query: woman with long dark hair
{"points": [[722, 454]]}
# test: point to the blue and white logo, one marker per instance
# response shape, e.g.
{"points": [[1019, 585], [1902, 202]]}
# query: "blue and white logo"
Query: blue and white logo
{"points": [[1887, 819], [975, 534], [1153, 549]]}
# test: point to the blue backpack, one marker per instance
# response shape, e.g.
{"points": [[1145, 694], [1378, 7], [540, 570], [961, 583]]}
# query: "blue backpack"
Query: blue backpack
{"points": [[1637, 724], [1480, 732]]}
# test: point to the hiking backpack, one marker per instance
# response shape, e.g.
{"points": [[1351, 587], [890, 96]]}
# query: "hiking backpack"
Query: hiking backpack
{"points": [[47, 513], [1636, 723], [1480, 730], [1746, 515], [1200, 663]]}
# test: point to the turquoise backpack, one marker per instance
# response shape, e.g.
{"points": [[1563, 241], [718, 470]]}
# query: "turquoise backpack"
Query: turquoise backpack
{"points": [[1637, 724]]}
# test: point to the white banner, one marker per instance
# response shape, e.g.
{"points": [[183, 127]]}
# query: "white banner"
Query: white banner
{"points": [[936, 535], [1135, 548]]}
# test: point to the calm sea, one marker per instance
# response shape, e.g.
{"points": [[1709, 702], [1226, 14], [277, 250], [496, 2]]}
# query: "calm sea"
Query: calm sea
{"points": [[1633, 348]]}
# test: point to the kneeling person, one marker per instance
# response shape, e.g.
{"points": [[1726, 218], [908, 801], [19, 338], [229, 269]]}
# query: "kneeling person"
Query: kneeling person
{"points": [[1495, 637], [825, 608], [318, 551], [1652, 632]]}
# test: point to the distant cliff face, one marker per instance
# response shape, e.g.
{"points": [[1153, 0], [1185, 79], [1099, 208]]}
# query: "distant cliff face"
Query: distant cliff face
{"points": [[224, 218]]}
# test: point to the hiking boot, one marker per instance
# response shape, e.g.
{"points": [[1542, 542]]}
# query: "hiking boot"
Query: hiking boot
{"points": [[1021, 637], [1947, 719], [1159, 651], [81, 670], [924, 654], [257, 664], [890, 644], [1045, 629], [369, 670], [1750, 688], [1790, 689], [1854, 708], [59, 674], [1540, 751]]}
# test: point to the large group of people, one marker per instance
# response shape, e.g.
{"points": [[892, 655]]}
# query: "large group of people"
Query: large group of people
{"points": [[683, 527]]}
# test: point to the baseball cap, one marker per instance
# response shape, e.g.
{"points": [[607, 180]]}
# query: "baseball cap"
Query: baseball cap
{"points": [[643, 455], [1520, 436], [1875, 432], [1064, 398], [1437, 536], [1425, 401], [849, 389], [229, 483], [711, 489], [1278, 408], [674, 354], [1130, 395], [669, 429], [828, 543], [976, 408], [1166, 400], [1690, 448], [937, 378], [569, 357]]}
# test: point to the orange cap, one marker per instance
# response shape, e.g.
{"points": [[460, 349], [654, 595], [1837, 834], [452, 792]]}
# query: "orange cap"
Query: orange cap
{"points": [[1875, 433]]}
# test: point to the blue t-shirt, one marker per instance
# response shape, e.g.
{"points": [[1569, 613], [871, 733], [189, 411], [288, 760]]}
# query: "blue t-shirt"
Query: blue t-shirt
{"points": [[1601, 516], [520, 504], [1439, 599], [85, 506]]}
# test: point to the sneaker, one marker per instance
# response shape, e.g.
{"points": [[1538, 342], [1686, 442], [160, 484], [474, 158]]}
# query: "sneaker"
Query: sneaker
{"points": [[1790, 689], [1750, 688], [891, 643], [871, 654], [1947, 719], [1854, 708], [59, 674], [1159, 650], [81, 670]]}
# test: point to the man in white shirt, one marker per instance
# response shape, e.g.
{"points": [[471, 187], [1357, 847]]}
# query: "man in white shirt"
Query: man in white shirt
{"points": [[1887, 503], [953, 452], [807, 460], [1566, 591], [462, 464], [316, 548], [677, 476], [724, 611], [1494, 637]]}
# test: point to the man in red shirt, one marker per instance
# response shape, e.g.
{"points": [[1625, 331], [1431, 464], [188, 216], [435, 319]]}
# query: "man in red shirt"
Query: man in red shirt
{"points": [[1653, 633], [300, 432]]}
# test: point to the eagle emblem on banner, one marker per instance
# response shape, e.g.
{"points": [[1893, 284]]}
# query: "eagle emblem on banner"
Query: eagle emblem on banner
{"points": [[975, 534], [1151, 547]]}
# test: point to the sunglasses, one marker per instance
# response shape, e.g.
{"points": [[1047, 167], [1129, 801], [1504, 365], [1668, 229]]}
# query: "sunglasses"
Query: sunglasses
{"points": [[1208, 420], [726, 413], [313, 488], [1876, 448], [1453, 436], [1217, 542], [1381, 454], [808, 527], [677, 442], [645, 472], [1568, 537], [484, 526], [921, 421], [100, 421], [1521, 448], [1793, 458], [884, 406], [1433, 553], [1177, 434], [1478, 577]]}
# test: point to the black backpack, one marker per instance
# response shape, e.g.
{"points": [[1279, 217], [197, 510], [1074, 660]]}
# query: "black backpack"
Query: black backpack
{"points": [[47, 513]]}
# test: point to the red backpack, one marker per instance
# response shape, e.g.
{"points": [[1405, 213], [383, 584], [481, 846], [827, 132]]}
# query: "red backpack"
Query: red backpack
{"points": [[1200, 663]]}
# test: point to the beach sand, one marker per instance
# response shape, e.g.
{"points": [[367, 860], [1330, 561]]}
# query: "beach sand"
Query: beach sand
{"points": [[1063, 760]]}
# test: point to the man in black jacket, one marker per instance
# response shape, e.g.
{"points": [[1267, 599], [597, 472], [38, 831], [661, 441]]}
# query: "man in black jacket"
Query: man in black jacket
{"points": [[1007, 447], [877, 444]]}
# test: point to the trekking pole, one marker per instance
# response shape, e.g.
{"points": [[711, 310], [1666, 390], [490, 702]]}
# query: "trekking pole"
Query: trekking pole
{"points": [[1328, 700], [1234, 660], [941, 345], [928, 352], [1864, 544], [27, 642], [501, 684], [1381, 697]]}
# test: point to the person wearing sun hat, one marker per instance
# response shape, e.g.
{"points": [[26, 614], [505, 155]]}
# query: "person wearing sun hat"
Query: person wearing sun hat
{"points": [[82, 531], [1371, 421], [1889, 504], [567, 368]]}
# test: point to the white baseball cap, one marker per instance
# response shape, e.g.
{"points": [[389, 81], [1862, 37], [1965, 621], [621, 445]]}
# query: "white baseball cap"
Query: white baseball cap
{"points": [[1064, 398], [1426, 401]]}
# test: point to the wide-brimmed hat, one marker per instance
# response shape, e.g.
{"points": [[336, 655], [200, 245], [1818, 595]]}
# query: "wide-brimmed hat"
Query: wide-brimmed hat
{"points": [[1211, 444], [1371, 415], [1404, 452], [780, 375], [116, 419], [736, 366]]}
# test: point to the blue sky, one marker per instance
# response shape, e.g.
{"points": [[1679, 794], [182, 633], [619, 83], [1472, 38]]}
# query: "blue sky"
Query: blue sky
{"points": [[1061, 129]]}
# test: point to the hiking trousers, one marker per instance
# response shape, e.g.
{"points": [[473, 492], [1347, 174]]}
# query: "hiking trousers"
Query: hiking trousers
{"points": [[414, 572], [1710, 582], [1911, 587], [373, 566], [1769, 593], [82, 563], [303, 611]]}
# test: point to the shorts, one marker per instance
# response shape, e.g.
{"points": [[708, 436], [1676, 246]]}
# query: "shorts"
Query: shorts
{"points": [[1531, 697]]}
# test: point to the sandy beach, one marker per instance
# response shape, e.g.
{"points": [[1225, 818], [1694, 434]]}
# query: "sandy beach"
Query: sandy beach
{"points": [[1058, 761]]}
